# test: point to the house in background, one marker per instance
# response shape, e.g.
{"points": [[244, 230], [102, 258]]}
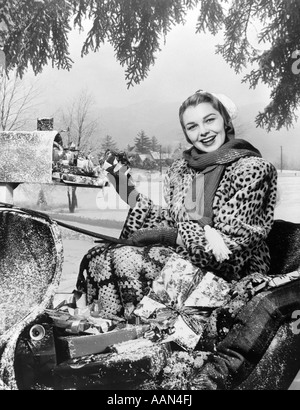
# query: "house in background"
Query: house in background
{"points": [[151, 160]]}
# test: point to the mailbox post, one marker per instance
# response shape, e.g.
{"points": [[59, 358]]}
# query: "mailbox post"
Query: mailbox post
{"points": [[7, 193]]}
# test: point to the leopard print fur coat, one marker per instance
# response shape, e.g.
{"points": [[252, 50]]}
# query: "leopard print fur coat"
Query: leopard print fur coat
{"points": [[243, 212]]}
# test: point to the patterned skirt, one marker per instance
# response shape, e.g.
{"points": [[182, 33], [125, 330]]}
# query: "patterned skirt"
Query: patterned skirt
{"points": [[117, 275]]}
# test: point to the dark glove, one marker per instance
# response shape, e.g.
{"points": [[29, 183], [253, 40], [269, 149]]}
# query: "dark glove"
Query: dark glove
{"points": [[163, 236], [118, 175]]}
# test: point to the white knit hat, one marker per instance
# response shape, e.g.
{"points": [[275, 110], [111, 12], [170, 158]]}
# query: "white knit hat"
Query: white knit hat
{"points": [[227, 102]]}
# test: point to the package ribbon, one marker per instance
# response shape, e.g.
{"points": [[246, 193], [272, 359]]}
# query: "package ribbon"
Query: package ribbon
{"points": [[187, 314]]}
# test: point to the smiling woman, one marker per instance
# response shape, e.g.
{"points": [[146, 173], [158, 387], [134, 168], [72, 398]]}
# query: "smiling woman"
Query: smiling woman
{"points": [[204, 127], [205, 121]]}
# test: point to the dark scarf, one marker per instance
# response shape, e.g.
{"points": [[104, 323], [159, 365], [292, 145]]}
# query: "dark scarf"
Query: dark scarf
{"points": [[212, 166]]}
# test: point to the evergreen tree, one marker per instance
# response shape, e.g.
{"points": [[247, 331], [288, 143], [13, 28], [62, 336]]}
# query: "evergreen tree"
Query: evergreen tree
{"points": [[41, 201], [129, 148], [154, 144], [142, 143], [275, 56], [108, 143]]}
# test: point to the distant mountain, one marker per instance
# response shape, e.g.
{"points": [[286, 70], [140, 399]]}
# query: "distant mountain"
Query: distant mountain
{"points": [[272, 143], [156, 119], [161, 120]]}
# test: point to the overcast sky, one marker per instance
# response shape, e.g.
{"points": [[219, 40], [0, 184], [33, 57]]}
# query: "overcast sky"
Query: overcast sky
{"points": [[187, 62]]}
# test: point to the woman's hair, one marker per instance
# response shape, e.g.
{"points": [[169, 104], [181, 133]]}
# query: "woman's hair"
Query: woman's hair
{"points": [[204, 97]]}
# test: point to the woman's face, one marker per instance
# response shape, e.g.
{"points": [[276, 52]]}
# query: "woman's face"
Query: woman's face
{"points": [[204, 126]]}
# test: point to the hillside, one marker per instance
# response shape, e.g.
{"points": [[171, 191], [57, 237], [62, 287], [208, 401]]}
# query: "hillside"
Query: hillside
{"points": [[270, 143]]}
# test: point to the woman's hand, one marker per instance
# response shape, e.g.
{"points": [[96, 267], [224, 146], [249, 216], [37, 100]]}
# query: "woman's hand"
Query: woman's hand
{"points": [[120, 178]]}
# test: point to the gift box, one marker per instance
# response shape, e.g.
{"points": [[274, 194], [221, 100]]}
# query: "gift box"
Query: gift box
{"points": [[70, 347], [181, 300]]}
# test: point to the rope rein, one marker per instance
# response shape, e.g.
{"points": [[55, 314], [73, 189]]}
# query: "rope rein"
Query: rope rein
{"points": [[101, 237]]}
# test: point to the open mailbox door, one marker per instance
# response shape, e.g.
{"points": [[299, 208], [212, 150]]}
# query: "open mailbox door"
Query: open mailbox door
{"points": [[36, 157], [26, 156]]}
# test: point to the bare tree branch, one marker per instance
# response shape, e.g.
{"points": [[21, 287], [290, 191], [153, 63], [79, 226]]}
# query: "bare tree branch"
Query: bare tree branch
{"points": [[17, 100], [82, 123]]}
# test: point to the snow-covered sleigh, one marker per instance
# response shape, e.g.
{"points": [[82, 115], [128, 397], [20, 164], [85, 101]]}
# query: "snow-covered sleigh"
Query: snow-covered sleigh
{"points": [[31, 260]]}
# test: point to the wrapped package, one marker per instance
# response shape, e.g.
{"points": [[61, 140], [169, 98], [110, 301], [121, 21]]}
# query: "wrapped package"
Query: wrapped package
{"points": [[77, 346], [181, 300]]}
